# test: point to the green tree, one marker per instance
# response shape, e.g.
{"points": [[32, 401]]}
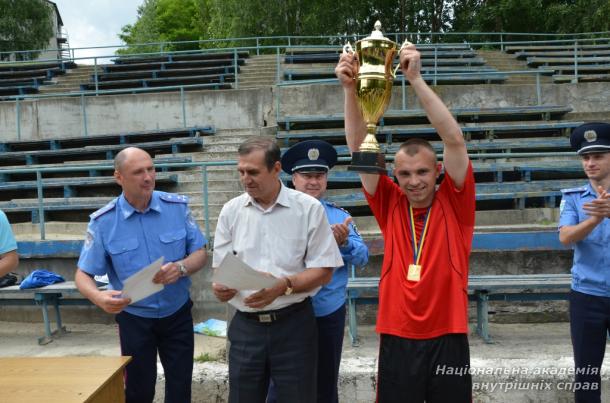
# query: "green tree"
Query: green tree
{"points": [[25, 24], [144, 30], [165, 21]]}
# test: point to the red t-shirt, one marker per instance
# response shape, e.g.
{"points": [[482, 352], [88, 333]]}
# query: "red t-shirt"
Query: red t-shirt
{"points": [[438, 303]]}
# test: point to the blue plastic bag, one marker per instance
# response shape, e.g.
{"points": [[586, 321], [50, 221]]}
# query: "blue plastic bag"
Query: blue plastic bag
{"points": [[212, 327], [40, 278]]}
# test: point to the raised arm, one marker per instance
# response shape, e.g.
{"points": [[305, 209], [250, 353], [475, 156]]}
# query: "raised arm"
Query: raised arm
{"points": [[355, 127], [455, 156]]}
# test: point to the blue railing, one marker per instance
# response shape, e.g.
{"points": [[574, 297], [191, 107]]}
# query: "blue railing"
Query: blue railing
{"points": [[39, 171], [259, 42]]}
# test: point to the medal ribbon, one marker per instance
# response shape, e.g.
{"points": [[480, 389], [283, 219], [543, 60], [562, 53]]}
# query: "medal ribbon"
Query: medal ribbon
{"points": [[417, 248]]}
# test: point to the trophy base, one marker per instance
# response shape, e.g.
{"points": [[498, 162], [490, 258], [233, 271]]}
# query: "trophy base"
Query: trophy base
{"points": [[368, 162]]}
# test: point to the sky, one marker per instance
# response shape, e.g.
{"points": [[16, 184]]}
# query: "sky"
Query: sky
{"points": [[92, 23]]}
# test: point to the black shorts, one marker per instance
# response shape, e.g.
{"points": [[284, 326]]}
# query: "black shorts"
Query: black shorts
{"points": [[430, 370]]}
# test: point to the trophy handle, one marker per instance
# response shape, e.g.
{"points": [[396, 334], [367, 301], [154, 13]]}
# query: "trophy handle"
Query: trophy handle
{"points": [[347, 48], [404, 45]]}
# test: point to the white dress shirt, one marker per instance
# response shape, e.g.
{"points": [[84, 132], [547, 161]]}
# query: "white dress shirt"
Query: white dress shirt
{"points": [[287, 238]]}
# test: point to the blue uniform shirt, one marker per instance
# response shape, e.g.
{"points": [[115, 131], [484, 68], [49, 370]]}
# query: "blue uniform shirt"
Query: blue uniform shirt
{"points": [[7, 240], [120, 241], [332, 296], [591, 268]]}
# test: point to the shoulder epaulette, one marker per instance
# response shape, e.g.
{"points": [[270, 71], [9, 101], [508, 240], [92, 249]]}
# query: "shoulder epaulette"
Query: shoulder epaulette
{"points": [[333, 204], [108, 207], [574, 190], [173, 198]]}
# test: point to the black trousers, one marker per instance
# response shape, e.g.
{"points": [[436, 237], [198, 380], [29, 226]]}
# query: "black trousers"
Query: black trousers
{"points": [[285, 349], [330, 344], [431, 370], [172, 337], [589, 326]]}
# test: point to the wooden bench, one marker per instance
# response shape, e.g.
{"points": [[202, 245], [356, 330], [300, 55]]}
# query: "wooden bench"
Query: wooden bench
{"points": [[553, 48], [171, 65], [333, 56], [160, 82], [517, 192], [481, 289], [174, 146], [415, 116], [490, 131], [183, 56], [107, 139], [147, 74], [53, 295], [37, 66], [70, 184]]}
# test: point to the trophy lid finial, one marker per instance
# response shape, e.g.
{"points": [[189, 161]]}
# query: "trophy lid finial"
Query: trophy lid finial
{"points": [[377, 34]]}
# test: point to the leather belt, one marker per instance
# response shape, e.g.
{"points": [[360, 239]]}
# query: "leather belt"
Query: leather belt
{"points": [[275, 315]]}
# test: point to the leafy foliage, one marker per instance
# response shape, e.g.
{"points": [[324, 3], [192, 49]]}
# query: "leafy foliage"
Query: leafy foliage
{"points": [[220, 20], [25, 24]]}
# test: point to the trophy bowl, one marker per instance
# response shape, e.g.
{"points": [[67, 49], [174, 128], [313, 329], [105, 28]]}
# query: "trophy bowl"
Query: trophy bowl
{"points": [[373, 92]]}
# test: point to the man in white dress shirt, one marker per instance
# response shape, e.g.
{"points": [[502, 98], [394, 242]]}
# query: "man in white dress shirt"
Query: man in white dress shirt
{"points": [[285, 233]]}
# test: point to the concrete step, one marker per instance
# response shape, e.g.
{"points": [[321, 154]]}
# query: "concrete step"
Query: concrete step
{"points": [[214, 187]]}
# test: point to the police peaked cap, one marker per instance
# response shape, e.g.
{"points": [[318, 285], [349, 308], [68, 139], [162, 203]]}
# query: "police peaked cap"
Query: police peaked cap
{"points": [[591, 138], [309, 156]]}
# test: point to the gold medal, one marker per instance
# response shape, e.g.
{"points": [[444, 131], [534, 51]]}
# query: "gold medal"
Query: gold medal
{"points": [[414, 273]]}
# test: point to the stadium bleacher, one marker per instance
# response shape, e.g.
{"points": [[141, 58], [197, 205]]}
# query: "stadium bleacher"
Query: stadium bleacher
{"points": [[72, 194], [195, 70], [23, 79], [518, 162], [585, 62], [441, 64]]}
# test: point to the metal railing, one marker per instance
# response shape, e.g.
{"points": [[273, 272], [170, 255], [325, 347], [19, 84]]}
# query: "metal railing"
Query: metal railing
{"points": [[40, 186], [259, 43]]}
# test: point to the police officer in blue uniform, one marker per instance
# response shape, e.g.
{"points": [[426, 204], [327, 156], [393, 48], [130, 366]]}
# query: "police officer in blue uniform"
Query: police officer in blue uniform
{"points": [[126, 235], [585, 225], [309, 162]]}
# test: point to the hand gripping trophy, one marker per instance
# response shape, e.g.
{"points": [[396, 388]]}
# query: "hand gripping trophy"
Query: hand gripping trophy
{"points": [[373, 90]]}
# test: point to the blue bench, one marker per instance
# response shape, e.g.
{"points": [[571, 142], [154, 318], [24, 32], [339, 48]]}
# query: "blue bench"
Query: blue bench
{"points": [[53, 296], [534, 146], [104, 151], [481, 289], [18, 90], [554, 47], [69, 185], [524, 54], [490, 131], [555, 61], [110, 139], [23, 81], [47, 73], [414, 116], [193, 64], [559, 78], [148, 74], [63, 65], [332, 56], [183, 56], [220, 79]]}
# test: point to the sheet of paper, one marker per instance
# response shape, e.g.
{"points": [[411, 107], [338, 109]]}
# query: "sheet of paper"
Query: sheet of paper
{"points": [[140, 285], [234, 273]]}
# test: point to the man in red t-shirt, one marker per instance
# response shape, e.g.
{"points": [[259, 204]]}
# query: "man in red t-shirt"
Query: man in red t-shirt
{"points": [[423, 299]]}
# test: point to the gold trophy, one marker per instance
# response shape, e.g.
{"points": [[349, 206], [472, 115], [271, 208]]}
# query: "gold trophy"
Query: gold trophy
{"points": [[373, 91]]}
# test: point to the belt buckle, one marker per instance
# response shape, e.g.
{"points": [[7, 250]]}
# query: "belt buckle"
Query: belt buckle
{"points": [[265, 318]]}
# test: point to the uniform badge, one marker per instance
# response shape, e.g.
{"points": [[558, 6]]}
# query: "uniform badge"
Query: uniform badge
{"points": [[590, 136], [562, 204], [88, 240], [190, 220], [313, 154]]}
